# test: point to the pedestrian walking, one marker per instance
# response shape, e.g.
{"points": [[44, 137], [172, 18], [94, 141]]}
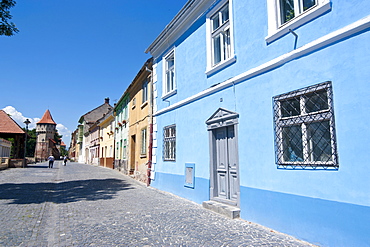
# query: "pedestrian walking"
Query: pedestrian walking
{"points": [[65, 160], [51, 161]]}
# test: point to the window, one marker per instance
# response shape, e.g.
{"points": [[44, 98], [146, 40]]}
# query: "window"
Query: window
{"points": [[285, 15], [220, 45], [221, 49], [143, 142], [292, 8], [124, 155], [304, 127], [169, 74], [169, 143], [145, 92]]}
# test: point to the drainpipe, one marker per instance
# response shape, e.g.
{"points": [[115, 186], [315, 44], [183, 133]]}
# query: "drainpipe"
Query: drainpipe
{"points": [[150, 128]]}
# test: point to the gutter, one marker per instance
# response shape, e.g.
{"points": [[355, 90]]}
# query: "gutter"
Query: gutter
{"points": [[150, 160]]}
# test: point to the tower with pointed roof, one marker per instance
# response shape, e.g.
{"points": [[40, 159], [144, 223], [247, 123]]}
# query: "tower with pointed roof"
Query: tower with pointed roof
{"points": [[45, 131]]}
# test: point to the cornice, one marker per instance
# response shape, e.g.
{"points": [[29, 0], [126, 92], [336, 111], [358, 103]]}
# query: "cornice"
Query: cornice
{"points": [[186, 17]]}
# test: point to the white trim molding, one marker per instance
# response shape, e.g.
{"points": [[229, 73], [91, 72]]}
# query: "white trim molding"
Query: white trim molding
{"points": [[277, 30], [167, 92], [315, 45], [228, 25]]}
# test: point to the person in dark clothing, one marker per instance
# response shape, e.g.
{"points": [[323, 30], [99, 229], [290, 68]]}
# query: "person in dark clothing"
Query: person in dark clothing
{"points": [[51, 161]]}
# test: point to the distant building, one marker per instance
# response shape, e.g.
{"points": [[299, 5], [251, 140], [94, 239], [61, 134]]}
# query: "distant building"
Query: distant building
{"points": [[106, 136], [5, 148], [10, 129], [88, 148], [45, 143], [140, 122], [133, 122]]}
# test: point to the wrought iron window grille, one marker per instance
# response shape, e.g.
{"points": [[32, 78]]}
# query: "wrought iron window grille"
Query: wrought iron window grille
{"points": [[169, 143], [305, 129]]}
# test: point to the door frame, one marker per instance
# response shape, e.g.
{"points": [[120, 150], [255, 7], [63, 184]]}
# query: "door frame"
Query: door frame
{"points": [[222, 118]]}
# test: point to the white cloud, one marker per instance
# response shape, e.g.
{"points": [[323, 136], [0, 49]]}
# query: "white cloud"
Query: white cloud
{"points": [[63, 130], [19, 118]]}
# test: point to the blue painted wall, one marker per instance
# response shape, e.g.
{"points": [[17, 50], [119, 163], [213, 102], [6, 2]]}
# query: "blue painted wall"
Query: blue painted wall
{"points": [[325, 207]]}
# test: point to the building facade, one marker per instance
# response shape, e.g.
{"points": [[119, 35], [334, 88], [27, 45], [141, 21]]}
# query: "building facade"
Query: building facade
{"points": [[88, 143], [106, 125], [140, 120], [121, 121], [262, 106], [5, 148]]}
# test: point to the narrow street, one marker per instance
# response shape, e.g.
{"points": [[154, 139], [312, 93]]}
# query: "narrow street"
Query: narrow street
{"points": [[83, 205]]}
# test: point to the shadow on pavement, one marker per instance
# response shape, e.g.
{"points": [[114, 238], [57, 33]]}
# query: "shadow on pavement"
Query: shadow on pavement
{"points": [[62, 192], [37, 166]]}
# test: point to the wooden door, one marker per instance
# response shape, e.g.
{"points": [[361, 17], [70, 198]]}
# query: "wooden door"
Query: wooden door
{"points": [[226, 165]]}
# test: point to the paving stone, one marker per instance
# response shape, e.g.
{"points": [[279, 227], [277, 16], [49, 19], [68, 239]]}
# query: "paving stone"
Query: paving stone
{"points": [[83, 205]]}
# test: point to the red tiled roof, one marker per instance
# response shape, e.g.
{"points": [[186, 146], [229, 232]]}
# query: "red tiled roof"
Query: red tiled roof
{"points": [[47, 118], [8, 125], [62, 144]]}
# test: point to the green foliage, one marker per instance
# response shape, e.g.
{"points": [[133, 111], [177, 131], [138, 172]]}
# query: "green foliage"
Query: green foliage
{"points": [[31, 143], [7, 28], [63, 151], [57, 137]]}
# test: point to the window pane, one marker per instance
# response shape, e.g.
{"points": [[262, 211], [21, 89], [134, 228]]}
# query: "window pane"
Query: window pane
{"points": [[215, 22], [290, 107], [319, 141], [169, 80], [308, 4], [145, 92], [227, 47], [287, 10], [292, 144], [170, 62], [316, 101], [216, 49], [225, 14]]}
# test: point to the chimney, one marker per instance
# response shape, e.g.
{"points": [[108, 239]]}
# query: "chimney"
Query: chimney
{"points": [[106, 100]]}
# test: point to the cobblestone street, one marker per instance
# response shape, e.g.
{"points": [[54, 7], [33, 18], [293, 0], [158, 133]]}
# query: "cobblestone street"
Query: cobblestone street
{"points": [[83, 205]]}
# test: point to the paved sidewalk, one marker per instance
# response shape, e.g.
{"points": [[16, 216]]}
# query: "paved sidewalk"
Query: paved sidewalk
{"points": [[83, 205]]}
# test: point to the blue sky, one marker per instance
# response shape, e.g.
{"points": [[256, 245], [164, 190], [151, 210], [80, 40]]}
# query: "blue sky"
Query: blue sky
{"points": [[71, 54]]}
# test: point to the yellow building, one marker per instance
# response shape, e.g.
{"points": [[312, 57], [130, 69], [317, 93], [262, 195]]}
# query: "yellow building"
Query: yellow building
{"points": [[106, 154], [140, 123]]}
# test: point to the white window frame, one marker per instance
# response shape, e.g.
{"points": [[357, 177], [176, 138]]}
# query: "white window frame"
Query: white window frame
{"points": [[145, 92], [124, 149], [276, 29], [167, 92], [144, 135], [211, 34]]}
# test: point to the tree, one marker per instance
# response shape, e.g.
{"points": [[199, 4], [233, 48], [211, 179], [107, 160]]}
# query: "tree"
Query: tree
{"points": [[31, 142], [7, 28], [63, 151], [57, 137]]}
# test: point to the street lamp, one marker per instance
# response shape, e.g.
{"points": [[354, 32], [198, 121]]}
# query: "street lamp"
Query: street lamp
{"points": [[27, 122]]}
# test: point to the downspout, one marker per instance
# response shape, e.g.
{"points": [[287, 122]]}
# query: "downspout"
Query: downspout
{"points": [[150, 128]]}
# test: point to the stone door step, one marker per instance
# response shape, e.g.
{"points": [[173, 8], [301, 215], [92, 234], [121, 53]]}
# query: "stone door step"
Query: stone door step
{"points": [[221, 208]]}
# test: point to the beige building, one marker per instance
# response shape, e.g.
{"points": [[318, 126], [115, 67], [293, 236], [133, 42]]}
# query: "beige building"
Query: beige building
{"points": [[140, 122], [106, 136]]}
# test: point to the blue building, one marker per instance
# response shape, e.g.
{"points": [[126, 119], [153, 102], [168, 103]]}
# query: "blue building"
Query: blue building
{"points": [[263, 105]]}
